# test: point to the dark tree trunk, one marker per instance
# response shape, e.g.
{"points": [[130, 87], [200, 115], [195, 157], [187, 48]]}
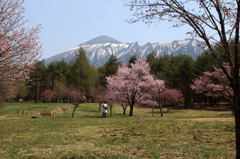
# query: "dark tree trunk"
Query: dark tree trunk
{"points": [[124, 109], [75, 109], [110, 109], [160, 107], [131, 110], [100, 106], [237, 124], [205, 102], [152, 111], [233, 108]]}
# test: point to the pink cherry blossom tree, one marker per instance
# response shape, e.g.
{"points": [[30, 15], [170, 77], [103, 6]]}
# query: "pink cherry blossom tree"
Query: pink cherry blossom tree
{"points": [[131, 82], [148, 101], [48, 95], [120, 99], [171, 96], [214, 84], [159, 94], [156, 91], [109, 97], [101, 97], [77, 95], [19, 46]]}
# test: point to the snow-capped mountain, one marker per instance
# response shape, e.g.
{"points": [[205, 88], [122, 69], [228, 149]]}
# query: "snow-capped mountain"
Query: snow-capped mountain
{"points": [[98, 50]]}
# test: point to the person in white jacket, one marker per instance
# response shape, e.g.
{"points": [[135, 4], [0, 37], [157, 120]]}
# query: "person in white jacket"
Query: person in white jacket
{"points": [[104, 110]]}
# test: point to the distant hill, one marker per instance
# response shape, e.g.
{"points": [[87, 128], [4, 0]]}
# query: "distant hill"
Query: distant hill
{"points": [[98, 50]]}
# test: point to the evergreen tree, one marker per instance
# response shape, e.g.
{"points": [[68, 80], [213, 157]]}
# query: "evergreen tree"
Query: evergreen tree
{"points": [[111, 66], [152, 60], [84, 75], [132, 60], [37, 80], [204, 62], [108, 69]]}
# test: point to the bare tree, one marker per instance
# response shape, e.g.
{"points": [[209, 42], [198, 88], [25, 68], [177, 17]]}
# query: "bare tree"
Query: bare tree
{"points": [[210, 20]]}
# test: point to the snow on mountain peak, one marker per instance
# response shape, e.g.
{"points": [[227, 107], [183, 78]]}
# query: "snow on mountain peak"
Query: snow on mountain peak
{"points": [[98, 51]]}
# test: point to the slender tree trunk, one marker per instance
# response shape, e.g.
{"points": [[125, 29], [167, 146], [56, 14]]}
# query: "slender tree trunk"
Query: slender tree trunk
{"points": [[152, 111], [131, 110], [205, 102], [58, 100], [48, 103], [110, 109], [160, 107], [124, 109], [100, 106], [75, 109]]}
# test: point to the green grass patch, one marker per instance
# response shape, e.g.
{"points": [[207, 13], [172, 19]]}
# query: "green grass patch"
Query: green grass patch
{"points": [[178, 134]]}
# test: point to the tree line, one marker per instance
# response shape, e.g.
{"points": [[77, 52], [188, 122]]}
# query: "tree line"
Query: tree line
{"points": [[178, 72]]}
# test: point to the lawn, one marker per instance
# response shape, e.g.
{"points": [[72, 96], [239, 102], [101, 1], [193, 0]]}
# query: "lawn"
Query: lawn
{"points": [[184, 133]]}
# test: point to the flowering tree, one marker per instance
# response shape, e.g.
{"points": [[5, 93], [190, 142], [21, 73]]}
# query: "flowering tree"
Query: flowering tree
{"points": [[210, 20], [109, 97], [77, 95], [131, 82], [147, 101], [120, 99], [172, 96], [156, 92], [48, 95], [101, 97], [159, 94], [19, 47], [214, 83]]}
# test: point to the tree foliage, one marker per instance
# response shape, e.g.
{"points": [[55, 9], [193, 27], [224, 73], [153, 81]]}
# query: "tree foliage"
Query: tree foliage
{"points": [[19, 46]]}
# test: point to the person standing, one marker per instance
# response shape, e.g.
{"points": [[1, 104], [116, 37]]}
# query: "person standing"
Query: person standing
{"points": [[104, 110]]}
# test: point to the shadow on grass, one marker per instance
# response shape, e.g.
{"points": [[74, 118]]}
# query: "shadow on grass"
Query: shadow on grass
{"points": [[208, 108], [225, 115]]}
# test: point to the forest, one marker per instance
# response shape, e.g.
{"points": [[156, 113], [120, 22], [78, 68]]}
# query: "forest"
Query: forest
{"points": [[185, 81]]}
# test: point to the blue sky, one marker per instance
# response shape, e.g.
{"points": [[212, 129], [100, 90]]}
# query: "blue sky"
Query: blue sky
{"points": [[68, 23]]}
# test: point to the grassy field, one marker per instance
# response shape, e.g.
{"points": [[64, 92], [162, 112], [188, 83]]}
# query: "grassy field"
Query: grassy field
{"points": [[178, 134]]}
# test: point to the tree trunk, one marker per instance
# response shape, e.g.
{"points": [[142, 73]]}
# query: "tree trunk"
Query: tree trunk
{"points": [[160, 107], [100, 106], [74, 109], [237, 124], [131, 110], [152, 111], [110, 109], [233, 107], [124, 109], [58, 100]]}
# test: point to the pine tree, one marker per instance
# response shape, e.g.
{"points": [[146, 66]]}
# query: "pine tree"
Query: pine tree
{"points": [[83, 73]]}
